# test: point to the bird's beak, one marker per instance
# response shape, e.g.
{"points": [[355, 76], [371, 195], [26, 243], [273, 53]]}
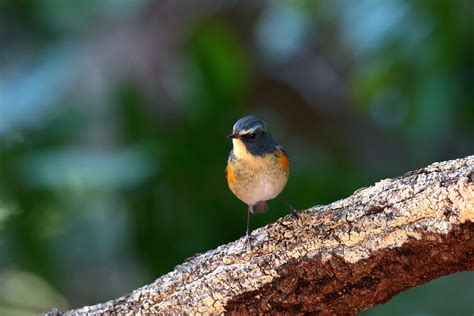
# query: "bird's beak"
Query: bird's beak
{"points": [[235, 135]]}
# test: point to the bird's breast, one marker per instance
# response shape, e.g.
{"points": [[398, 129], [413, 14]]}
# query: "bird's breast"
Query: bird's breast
{"points": [[259, 178]]}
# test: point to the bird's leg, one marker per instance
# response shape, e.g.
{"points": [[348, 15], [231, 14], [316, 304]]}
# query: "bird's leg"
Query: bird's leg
{"points": [[248, 221], [293, 211], [248, 239]]}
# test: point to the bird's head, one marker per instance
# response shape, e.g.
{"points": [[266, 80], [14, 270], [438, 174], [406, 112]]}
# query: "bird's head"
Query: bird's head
{"points": [[250, 137]]}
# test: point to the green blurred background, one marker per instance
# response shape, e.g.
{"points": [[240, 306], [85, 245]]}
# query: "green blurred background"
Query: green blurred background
{"points": [[114, 116]]}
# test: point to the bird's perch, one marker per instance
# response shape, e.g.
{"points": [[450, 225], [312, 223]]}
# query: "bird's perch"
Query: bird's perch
{"points": [[337, 259]]}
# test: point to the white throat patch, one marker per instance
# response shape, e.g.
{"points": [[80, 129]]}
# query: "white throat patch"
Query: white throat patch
{"points": [[240, 151]]}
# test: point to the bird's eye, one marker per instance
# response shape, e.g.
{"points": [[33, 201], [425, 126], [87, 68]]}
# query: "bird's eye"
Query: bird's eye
{"points": [[252, 136]]}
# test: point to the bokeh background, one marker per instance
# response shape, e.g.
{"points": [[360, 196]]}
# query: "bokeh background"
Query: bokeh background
{"points": [[114, 116]]}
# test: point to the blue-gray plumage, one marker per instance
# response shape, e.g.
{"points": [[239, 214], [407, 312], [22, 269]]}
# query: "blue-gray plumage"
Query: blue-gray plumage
{"points": [[254, 135], [248, 123], [257, 167]]}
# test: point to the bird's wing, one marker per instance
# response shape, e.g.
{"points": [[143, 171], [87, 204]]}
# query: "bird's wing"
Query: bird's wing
{"points": [[284, 159], [280, 147]]}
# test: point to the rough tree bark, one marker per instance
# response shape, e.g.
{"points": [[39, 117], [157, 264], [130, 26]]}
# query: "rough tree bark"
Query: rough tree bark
{"points": [[337, 259]]}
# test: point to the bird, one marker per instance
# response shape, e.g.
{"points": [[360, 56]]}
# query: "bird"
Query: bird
{"points": [[257, 167]]}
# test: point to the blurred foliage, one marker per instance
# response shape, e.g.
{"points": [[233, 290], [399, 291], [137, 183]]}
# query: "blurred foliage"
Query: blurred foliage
{"points": [[114, 116]]}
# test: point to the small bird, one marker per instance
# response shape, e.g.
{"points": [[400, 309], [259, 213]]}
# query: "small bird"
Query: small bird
{"points": [[258, 167]]}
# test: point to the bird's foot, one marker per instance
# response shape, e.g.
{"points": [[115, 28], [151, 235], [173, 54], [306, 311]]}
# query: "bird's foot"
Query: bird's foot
{"points": [[294, 212], [248, 240]]}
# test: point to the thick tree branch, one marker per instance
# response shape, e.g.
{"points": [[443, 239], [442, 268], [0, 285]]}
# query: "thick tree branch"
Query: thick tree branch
{"points": [[338, 259]]}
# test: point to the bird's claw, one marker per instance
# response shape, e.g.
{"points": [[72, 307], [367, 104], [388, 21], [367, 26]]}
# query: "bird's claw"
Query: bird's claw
{"points": [[248, 241], [294, 212]]}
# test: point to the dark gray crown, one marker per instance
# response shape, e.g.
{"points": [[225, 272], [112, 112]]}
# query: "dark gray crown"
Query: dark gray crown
{"points": [[248, 123]]}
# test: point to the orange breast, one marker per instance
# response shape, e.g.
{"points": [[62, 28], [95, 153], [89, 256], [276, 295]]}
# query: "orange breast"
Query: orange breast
{"points": [[229, 173], [284, 161]]}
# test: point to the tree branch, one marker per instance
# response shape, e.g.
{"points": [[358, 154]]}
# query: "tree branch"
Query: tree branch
{"points": [[337, 259]]}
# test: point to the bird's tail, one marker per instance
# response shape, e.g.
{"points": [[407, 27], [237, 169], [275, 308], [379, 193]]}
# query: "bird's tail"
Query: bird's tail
{"points": [[259, 207]]}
